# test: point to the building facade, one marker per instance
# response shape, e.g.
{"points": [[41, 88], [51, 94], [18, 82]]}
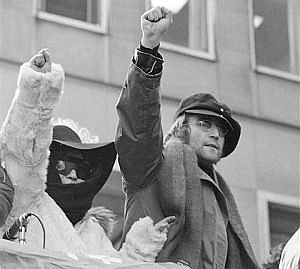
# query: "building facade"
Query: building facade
{"points": [[246, 53]]}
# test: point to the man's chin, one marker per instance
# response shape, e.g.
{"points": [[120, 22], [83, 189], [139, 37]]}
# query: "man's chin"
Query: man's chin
{"points": [[208, 159]]}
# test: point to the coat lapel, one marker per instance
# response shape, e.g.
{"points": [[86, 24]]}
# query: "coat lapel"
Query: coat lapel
{"points": [[235, 219]]}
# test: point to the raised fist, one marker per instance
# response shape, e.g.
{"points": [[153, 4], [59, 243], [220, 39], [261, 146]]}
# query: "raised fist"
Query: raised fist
{"points": [[154, 23], [41, 62]]}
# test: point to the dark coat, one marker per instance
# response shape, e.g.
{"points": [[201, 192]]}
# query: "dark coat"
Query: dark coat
{"points": [[184, 199], [6, 195], [166, 181]]}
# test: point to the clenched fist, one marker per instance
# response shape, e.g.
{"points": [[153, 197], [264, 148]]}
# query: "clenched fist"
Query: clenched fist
{"points": [[154, 23], [41, 62]]}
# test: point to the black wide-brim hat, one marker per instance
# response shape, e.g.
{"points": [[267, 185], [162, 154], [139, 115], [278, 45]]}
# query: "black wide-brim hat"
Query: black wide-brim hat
{"points": [[206, 104], [76, 199], [68, 140]]}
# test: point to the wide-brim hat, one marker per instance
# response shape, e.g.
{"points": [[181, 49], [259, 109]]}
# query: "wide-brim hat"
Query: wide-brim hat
{"points": [[76, 199], [68, 140], [206, 104]]}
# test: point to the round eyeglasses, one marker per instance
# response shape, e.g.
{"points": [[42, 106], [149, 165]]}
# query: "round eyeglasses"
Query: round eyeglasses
{"points": [[82, 168], [207, 126]]}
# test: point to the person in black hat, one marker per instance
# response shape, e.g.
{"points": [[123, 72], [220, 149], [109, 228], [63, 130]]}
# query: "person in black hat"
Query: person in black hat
{"points": [[77, 171], [176, 175], [73, 174]]}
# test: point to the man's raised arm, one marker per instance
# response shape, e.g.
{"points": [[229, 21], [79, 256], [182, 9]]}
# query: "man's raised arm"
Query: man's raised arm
{"points": [[139, 134]]}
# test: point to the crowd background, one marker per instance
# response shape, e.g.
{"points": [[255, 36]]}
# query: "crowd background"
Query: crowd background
{"points": [[245, 53]]}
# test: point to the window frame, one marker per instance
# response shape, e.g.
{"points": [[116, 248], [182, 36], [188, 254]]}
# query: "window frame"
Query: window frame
{"points": [[263, 200], [265, 69], [102, 28], [211, 36]]}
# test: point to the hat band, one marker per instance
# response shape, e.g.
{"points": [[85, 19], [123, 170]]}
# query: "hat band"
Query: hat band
{"points": [[208, 113]]}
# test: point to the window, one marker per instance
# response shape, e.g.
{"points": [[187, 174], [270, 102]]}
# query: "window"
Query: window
{"points": [[192, 31], [276, 31], [86, 14], [279, 219], [284, 222], [83, 10]]}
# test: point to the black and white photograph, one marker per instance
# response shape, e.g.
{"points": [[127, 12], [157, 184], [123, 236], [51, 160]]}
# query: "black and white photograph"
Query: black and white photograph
{"points": [[150, 134]]}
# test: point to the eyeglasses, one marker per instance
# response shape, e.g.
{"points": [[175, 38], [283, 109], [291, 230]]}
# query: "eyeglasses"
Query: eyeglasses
{"points": [[82, 168], [207, 126]]}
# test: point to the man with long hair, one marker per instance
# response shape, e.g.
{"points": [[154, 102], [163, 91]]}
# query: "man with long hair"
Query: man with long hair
{"points": [[176, 177]]}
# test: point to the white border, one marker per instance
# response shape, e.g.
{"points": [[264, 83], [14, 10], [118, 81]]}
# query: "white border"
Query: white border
{"points": [[102, 28], [211, 37], [264, 69], [263, 200]]}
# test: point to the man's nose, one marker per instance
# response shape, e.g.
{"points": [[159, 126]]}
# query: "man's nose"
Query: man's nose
{"points": [[214, 131], [72, 174]]}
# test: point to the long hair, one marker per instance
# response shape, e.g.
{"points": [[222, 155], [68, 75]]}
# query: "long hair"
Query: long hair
{"points": [[179, 129], [274, 259]]}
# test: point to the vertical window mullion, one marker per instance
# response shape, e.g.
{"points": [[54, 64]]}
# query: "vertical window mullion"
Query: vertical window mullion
{"points": [[42, 4], [211, 19], [294, 28], [89, 10], [198, 24], [292, 40]]}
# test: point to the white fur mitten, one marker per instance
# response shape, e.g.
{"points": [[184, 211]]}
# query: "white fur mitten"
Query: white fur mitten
{"points": [[143, 242], [26, 133], [94, 229], [102, 216], [40, 90]]}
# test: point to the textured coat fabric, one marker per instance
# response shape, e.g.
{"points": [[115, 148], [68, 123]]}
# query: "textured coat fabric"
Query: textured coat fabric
{"points": [[24, 145], [185, 200], [180, 194], [167, 181]]}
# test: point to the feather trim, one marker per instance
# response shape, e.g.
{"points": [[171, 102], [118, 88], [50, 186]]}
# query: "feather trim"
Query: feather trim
{"points": [[83, 133]]}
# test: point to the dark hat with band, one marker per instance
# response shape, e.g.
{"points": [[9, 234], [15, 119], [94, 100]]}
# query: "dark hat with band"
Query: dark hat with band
{"points": [[206, 104], [76, 199]]}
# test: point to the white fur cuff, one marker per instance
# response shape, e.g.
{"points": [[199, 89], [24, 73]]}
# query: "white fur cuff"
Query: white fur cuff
{"points": [[143, 242], [101, 215], [40, 89]]}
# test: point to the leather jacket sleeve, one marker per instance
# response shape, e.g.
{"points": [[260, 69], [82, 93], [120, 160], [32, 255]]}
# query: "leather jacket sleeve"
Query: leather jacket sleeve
{"points": [[139, 137]]}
